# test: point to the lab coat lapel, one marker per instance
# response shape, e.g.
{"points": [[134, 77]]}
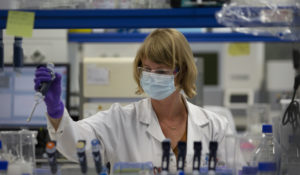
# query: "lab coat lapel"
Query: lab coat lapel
{"points": [[155, 131], [196, 122], [150, 119]]}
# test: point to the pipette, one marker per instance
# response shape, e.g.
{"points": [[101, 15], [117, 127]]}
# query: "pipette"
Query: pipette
{"points": [[213, 147], [197, 158], [81, 156], [181, 157], [40, 94], [1, 52], [97, 155], [18, 54], [51, 152], [166, 146]]}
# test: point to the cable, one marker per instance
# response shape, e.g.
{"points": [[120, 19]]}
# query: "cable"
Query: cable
{"points": [[292, 113]]}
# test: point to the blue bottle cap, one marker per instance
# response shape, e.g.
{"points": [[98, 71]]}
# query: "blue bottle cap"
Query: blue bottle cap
{"points": [[267, 128], [249, 170], [181, 173], [95, 142], [266, 166], [3, 165]]}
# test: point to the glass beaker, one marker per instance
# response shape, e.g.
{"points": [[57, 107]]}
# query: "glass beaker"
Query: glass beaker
{"points": [[239, 151], [19, 150]]}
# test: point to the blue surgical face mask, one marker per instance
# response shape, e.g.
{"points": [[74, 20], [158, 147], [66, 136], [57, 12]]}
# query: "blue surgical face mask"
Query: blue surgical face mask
{"points": [[157, 86]]}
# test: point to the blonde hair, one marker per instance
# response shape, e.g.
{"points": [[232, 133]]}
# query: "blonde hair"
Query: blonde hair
{"points": [[168, 47]]}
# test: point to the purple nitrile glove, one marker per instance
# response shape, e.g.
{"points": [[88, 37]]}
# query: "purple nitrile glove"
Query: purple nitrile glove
{"points": [[55, 107]]}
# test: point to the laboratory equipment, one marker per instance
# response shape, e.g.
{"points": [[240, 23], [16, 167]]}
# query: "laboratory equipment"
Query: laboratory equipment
{"points": [[249, 170], [102, 76], [18, 54], [289, 142], [197, 157], [40, 95], [289, 127], [132, 168], [19, 150], [17, 96], [265, 157], [166, 146], [266, 168], [81, 156], [3, 162], [96, 154], [3, 167], [290, 158], [181, 157], [243, 75], [292, 113], [51, 153], [212, 160]]}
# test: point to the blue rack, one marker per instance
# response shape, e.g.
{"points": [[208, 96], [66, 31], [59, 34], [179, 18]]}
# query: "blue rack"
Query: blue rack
{"points": [[122, 18], [191, 37], [136, 18]]}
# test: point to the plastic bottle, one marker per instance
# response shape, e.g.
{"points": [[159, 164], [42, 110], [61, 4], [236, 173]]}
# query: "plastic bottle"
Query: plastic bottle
{"points": [[3, 163], [265, 153]]}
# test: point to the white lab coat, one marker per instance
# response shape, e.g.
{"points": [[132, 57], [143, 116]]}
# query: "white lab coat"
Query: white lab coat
{"points": [[132, 134]]}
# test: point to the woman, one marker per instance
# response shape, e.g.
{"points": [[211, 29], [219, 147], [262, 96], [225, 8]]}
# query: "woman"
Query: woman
{"points": [[164, 69]]}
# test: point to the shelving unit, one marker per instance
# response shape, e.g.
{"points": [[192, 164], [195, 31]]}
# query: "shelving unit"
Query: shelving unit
{"points": [[136, 18], [119, 18], [191, 37]]}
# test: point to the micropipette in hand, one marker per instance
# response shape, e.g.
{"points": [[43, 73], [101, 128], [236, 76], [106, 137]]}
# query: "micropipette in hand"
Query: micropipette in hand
{"points": [[40, 94]]}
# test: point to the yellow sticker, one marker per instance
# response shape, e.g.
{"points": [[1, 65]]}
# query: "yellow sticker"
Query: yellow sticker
{"points": [[239, 49], [20, 23]]}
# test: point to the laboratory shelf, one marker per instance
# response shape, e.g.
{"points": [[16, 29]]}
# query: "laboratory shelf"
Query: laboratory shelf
{"points": [[277, 16], [122, 18], [191, 37]]}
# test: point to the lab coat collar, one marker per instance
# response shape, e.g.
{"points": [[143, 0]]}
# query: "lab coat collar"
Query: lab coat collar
{"points": [[151, 120], [195, 114]]}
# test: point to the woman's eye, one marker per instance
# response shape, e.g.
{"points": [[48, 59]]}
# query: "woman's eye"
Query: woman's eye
{"points": [[161, 72]]}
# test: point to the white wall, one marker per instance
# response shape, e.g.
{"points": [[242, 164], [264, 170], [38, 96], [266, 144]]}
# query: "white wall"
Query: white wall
{"points": [[110, 49]]}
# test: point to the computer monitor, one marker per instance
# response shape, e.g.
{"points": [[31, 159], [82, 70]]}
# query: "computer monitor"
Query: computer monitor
{"points": [[17, 96]]}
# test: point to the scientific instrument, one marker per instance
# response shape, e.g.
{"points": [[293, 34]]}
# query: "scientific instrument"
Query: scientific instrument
{"points": [[81, 155], [40, 94], [197, 157], [96, 154], [166, 146], [181, 157], [51, 152]]}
